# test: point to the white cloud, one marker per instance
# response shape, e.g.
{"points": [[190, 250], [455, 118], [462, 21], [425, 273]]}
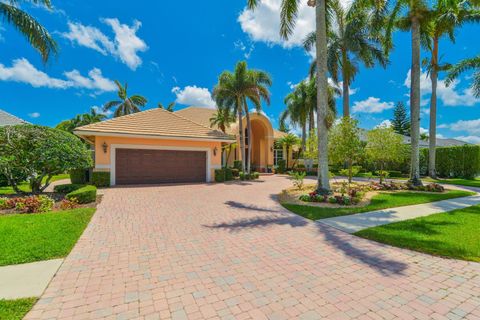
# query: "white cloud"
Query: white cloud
{"points": [[423, 130], [470, 126], [372, 105], [125, 45], [263, 23], [247, 50], [193, 95], [450, 96], [34, 115], [471, 139], [385, 124], [23, 71], [100, 110]]}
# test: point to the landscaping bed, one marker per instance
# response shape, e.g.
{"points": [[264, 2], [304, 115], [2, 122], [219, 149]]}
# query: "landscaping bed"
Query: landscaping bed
{"points": [[452, 234], [373, 198]]}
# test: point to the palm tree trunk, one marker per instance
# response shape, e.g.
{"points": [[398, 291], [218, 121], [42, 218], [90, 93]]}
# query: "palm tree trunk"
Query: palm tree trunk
{"points": [[323, 186], [240, 132], [249, 132], [345, 86], [415, 103], [304, 137], [432, 144]]}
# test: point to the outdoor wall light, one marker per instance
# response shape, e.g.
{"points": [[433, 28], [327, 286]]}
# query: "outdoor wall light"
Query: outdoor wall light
{"points": [[215, 151], [271, 149], [104, 146]]}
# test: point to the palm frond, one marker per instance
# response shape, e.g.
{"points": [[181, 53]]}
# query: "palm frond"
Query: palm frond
{"points": [[288, 16]]}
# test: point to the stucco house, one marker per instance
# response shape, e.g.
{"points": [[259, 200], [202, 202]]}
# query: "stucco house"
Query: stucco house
{"points": [[158, 146]]}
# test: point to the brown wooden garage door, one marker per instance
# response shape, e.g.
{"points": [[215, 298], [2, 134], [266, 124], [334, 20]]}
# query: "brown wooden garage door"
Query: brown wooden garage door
{"points": [[139, 166]]}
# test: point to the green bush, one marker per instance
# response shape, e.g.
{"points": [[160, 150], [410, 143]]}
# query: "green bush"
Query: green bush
{"points": [[3, 180], [78, 176], [235, 172], [455, 162], [100, 179], [34, 204], [67, 188], [281, 166], [394, 174], [219, 175], [85, 194], [237, 164], [228, 174]]}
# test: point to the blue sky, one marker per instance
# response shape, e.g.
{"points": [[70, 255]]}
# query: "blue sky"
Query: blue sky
{"points": [[174, 51]]}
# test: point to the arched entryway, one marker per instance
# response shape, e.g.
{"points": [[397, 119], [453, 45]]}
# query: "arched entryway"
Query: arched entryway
{"points": [[262, 143]]}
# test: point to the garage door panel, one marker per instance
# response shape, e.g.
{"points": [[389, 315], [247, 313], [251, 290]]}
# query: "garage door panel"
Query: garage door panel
{"points": [[142, 166]]}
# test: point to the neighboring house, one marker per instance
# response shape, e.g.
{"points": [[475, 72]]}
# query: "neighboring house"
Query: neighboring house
{"points": [[7, 119], [157, 146]]}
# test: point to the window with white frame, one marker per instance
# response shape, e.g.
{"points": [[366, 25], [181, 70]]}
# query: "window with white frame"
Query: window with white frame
{"points": [[277, 155]]}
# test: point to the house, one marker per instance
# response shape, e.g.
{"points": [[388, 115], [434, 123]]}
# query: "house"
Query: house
{"points": [[7, 119], [158, 146]]}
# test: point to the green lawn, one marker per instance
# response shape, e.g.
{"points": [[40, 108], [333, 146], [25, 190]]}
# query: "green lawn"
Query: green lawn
{"points": [[34, 237], [15, 309], [26, 188], [452, 234], [382, 200], [462, 182]]}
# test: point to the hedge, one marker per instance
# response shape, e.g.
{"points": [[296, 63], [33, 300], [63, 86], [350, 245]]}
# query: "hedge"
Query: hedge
{"points": [[101, 179], [225, 174], [455, 162], [78, 176], [85, 194], [67, 188]]}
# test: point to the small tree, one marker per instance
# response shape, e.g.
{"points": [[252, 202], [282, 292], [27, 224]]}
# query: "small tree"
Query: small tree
{"points": [[311, 150], [345, 145], [288, 142], [38, 153], [384, 146], [400, 121]]}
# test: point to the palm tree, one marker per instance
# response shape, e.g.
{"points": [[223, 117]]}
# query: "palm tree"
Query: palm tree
{"points": [[222, 119], [354, 39], [170, 106], [126, 105], [447, 15], [232, 92], [288, 15], [288, 142], [34, 32], [297, 110], [465, 65], [81, 120], [415, 19]]}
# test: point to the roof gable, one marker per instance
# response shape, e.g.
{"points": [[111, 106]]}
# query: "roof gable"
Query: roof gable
{"points": [[7, 119]]}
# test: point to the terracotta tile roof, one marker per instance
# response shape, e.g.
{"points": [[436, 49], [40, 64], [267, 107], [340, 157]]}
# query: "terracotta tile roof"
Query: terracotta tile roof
{"points": [[154, 122], [7, 119], [202, 115]]}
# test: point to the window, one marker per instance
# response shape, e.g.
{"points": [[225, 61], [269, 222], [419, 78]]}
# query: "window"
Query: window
{"points": [[277, 155]]}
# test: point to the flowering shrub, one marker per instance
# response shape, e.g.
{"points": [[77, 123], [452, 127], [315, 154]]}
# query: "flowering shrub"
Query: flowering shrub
{"points": [[34, 204], [6, 203], [67, 204], [432, 187]]}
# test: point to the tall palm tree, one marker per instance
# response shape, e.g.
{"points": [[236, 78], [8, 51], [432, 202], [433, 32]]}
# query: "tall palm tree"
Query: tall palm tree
{"points": [[297, 110], [222, 119], [415, 17], [352, 39], [126, 105], [233, 90], [38, 37], [288, 15], [447, 15], [170, 106], [463, 66]]}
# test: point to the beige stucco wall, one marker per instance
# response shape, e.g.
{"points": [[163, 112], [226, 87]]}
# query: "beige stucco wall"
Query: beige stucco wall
{"points": [[103, 159]]}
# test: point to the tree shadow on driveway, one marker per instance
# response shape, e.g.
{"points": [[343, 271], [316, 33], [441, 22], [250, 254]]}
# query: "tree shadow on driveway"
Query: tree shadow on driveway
{"points": [[239, 205], [259, 222]]}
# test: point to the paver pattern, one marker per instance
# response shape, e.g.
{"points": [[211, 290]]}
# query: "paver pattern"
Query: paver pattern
{"points": [[230, 251]]}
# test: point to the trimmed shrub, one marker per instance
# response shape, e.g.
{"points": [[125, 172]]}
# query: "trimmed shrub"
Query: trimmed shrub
{"points": [[237, 164], [455, 162], [228, 174], [78, 176], [281, 166], [219, 175], [67, 188], [85, 194], [100, 179], [394, 174]]}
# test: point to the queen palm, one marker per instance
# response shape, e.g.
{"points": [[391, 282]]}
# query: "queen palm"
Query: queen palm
{"points": [[233, 90], [222, 119], [447, 15], [352, 39], [126, 105], [463, 66], [415, 19], [288, 15], [169, 107], [32, 30]]}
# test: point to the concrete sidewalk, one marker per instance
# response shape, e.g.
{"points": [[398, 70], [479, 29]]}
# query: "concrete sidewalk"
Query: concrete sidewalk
{"points": [[360, 221], [27, 280]]}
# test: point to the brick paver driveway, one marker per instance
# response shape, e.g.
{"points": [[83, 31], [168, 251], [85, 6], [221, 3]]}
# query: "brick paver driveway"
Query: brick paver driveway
{"points": [[229, 251]]}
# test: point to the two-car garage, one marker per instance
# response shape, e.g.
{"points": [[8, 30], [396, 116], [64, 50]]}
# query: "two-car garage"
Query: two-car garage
{"points": [[150, 166]]}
